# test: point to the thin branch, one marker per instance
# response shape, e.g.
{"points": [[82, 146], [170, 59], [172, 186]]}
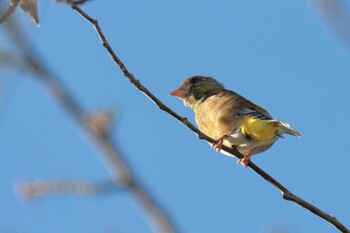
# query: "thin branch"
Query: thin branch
{"points": [[286, 194], [43, 188], [78, 2], [9, 11], [8, 59], [336, 15], [120, 172]]}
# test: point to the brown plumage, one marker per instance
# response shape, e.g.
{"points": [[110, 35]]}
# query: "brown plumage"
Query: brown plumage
{"points": [[230, 118], [215, 117]]}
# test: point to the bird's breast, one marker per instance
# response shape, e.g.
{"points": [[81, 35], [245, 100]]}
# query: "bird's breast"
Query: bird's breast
{"points": [[217, 116]]}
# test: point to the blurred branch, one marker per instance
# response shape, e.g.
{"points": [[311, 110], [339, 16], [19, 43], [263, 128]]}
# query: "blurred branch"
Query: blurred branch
{"points": [[17, 38], [43, 188], [97, 126], [31, 8], [9, 11], [286, 194], [336, 15], [8, 59]]}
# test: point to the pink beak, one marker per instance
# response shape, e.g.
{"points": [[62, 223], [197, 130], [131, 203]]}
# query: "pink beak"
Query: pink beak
{"points": [[180, 92]]}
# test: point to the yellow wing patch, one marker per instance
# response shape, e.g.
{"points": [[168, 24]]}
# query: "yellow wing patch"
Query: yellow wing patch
{"points": [[260, 130]]}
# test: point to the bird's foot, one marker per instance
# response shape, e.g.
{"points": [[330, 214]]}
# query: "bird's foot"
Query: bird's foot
{"points": [[245, 160], [218, 144]]}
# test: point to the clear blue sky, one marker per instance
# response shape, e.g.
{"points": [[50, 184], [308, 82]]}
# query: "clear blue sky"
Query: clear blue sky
{"points": [[278, 54]]}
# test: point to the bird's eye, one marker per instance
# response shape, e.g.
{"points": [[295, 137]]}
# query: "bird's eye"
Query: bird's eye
{"points": [[194, 80]]}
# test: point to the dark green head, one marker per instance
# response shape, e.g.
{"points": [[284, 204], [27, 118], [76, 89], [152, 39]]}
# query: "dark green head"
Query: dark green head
{"points": [[196, 89]]}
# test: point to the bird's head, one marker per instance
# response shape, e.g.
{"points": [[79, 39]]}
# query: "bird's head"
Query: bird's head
{"points": [[196, 89]]}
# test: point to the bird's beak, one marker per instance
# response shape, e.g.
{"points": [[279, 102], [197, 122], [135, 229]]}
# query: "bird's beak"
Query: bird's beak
{"points": [[180, 92]]}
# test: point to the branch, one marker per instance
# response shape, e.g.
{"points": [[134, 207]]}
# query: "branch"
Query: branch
{"points": [[286, 194], [8, 59], [96, 125], [336, 15], [44, 188], [9, 11], [78, 2]]}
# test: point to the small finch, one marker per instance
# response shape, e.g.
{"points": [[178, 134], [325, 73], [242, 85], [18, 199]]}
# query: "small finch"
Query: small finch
{"points": [[230, 118]]}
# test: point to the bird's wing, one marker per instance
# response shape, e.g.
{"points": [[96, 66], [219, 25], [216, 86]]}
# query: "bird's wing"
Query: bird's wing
{"points": [[254, 112], [224, 113], [248, 109]]}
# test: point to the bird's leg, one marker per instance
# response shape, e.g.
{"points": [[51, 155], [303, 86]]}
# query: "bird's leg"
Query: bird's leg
{"points": [[218, 144], [245, 160]]}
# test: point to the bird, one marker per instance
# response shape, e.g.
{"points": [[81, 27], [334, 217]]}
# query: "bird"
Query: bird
{"points": [[231, 119]]}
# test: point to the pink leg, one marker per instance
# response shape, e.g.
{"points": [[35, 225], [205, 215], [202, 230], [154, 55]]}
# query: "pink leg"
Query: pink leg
{"points": [[218, 144], [245, 160]]}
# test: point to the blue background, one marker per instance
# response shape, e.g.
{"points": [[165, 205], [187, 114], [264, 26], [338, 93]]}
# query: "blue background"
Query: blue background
{"points": [[278, 54]]}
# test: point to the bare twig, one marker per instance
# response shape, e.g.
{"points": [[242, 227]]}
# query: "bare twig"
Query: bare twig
{"points": [[336, 15], [286, 194], [43, 188], [9, 11], [31, 11], [117, 167], [8, 59], [79, 2], [120, 172]]}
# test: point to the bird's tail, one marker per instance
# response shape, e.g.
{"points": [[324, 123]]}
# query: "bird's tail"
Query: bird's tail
{"points": [[284, 127]]}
